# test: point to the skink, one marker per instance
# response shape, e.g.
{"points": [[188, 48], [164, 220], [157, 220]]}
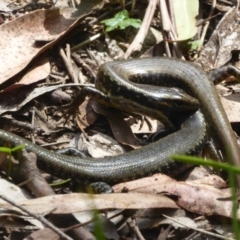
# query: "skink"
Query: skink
{"points": [[193, 80], [156, 156], [145, 161]]}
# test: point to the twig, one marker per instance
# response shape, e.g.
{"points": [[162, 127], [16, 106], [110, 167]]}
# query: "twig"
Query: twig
{"points": [[40, 218], [84, 65], [169, 27], [91, 39], [69, 66], [19, 124], [68, 52], [204, 31], [166, 24], [39, 187], [132, 224], [199, 230], [137, 231], [137, 43]]}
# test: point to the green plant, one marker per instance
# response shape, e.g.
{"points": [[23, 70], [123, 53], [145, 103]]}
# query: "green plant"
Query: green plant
{"points": [[10, 151], [121, 20]]}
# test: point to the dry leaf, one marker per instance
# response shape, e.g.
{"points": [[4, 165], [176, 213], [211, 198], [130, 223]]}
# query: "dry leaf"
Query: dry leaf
{"points": [[210, 180], [201, 198], [86, 116], [223, 41], [142, 183], [18, 42], [45, 233], [27, 36], [77, 202], [188, 222], [100, 145], [121, 130], [4, 6], [39, 72], [231, 104], [14, 192], [13, 99]]}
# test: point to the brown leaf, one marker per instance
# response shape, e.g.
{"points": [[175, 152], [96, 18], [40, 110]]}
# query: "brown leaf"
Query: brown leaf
{"points": [[140, 184], [121, 130], [201, 175], [210, 180], [45, 233], [25, 37], [39, 72], [78, 202], [13, 99], [86, 116], [231, 105], [201, 198], [223, 41], [100, 145], [18, 45]]}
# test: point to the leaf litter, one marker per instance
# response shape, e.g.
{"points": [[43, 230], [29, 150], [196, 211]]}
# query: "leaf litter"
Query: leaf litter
{"points": [[33, 34]]}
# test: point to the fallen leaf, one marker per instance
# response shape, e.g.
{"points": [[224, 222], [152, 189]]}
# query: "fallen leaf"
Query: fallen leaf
{"points": [[77, 202], [18, 45], [12, 99], [142, 183], [29, 35], [188, 222], [121, 130], [39, 72], [231, 104], [14, 192], [200, 198], [225, 39], [45, 233], [4, 6], [86, 116], [100, 145]]}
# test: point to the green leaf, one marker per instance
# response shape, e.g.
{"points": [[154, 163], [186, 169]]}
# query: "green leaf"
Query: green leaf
{"points": [[122, 15], [98, 227], [19, 147], [185, 14], [5, 150], [121, 20], [203, 162], [130, 22], [10, 150]]}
